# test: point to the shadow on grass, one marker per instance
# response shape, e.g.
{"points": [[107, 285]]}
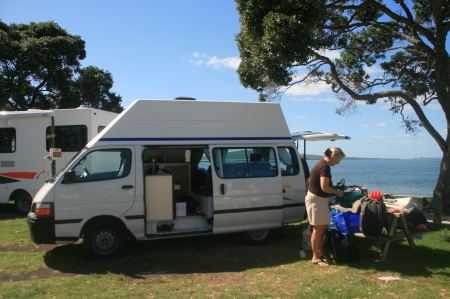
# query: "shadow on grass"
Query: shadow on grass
{"points": [[226, 253], [425, 260], [8, 212], [209, 254]]}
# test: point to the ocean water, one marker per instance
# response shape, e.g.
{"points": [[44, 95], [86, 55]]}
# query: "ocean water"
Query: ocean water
{"points": [[395, 176]]}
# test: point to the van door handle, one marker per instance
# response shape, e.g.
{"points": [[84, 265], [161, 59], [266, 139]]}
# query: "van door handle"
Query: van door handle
{"points": [[222, 189], [127, 187]]}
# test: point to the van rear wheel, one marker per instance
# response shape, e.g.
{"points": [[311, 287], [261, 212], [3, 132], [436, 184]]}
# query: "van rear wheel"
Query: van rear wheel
{"points": [[257, 237], [104, 241], [23, 201]]}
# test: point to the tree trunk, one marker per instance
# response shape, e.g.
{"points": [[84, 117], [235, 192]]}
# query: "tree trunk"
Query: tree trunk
{"points": [[441, 193]]}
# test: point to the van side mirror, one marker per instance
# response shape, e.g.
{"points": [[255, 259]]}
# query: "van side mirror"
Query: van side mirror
{"points": [[69, 177]]}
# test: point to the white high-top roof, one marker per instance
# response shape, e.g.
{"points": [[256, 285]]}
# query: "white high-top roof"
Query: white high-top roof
{"points": [[196, 122]]}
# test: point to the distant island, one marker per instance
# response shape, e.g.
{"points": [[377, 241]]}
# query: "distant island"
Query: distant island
{"points": [[318, 157]]}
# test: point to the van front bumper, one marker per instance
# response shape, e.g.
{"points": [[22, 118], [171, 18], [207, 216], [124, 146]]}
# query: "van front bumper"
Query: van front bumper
{"points": [[42, 229]]}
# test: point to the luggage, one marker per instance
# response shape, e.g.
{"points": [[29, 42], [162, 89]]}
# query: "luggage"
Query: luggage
{"points": [[351, 194], [347, 223], [373, 218], [340, 248]]}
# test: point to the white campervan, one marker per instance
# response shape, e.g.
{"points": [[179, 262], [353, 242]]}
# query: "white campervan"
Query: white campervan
{"points": [[168, 168], [25, 140]]}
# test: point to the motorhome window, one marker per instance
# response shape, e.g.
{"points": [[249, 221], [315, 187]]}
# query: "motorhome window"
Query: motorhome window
{"points": [[103, 165], [245, 162], [288, 161], [100, 128], [7, 140], [67, 138]]}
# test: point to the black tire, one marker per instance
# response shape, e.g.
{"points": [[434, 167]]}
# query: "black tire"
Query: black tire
{"points": [[22, 201], [257, 237], [104, 241]]}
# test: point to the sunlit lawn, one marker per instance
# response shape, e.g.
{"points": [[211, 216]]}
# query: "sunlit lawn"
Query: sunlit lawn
{"points": [[217, 266]]}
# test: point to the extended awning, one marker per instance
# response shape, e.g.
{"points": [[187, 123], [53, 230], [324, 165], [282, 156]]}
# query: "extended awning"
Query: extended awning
{"points": [[316, 136]]}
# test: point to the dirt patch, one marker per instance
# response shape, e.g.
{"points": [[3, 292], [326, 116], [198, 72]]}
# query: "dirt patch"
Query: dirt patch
{"points": [[26, 248], [212, 279], [37, 274]]}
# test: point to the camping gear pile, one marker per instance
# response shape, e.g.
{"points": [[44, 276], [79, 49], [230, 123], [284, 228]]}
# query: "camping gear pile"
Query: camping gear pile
{"points": [[361, 211]]}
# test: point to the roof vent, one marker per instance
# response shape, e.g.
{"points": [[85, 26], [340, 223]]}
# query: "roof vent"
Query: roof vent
{"points": [[185, 99]]}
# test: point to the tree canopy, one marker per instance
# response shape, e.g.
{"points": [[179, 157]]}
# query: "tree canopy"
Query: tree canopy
{"points": [[40, 68], [283, 43]]}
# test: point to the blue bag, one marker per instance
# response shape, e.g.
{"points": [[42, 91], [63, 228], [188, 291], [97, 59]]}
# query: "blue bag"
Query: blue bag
{"points": [[352, 220], [347, 223]]}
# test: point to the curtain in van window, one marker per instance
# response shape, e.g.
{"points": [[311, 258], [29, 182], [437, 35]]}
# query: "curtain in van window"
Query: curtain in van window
{"points": [[245, 162]]}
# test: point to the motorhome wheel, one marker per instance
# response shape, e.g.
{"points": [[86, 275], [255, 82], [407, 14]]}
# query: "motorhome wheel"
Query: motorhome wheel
{"points": [[257, 237], [23, 202], [103, 241]]}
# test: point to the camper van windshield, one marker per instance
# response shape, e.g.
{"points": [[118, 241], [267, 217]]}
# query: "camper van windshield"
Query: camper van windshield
{"points": [[60, 171]]}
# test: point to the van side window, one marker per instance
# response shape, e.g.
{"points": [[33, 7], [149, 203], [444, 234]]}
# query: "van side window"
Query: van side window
{"points": [[245, 162], [7, 140], [67, 138], [100, 165], [288, 161]]}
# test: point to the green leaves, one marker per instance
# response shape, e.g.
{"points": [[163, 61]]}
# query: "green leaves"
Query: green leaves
{"points": [[274, 35], [40, 68]]}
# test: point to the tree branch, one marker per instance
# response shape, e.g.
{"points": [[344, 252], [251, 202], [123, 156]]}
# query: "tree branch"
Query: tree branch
{"points": [[418, 42], [389, 27], [373, 97], [427, 101], [36, 89], [12, 104], [410, 23]]}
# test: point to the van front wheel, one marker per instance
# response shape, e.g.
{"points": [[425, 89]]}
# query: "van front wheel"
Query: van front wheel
{"points": [[102, 241], [257, 237]]}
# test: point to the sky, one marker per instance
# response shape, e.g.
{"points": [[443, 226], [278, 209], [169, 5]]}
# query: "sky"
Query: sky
{"points": [[162, 49]]}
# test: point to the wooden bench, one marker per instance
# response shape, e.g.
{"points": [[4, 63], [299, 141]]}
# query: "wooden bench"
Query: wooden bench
{"points": [[392, 235]]}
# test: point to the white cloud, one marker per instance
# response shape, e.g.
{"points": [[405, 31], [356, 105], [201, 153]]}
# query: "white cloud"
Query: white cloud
{"points": [[332, 54], [197, 54], [196, 61], [227, 62], [319, 99], [377, 125], [199, 59], [374, 71], [308, 88]]}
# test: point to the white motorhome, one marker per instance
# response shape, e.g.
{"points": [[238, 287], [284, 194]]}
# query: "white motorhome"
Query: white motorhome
{"points": [[25, 141], [168, 168]]}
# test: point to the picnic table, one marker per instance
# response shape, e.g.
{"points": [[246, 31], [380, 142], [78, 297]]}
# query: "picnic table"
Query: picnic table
{"points": [[398, 229]]}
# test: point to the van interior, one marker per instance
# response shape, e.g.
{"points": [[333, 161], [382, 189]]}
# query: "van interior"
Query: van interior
{"points": [[178, 190]]}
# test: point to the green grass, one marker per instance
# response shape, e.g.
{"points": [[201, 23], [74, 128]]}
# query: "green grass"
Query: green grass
{"points": [[217, 266]]}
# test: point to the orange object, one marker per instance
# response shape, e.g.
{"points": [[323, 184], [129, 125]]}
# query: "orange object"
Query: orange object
{"points": [[43, 211], [376, 194]]}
